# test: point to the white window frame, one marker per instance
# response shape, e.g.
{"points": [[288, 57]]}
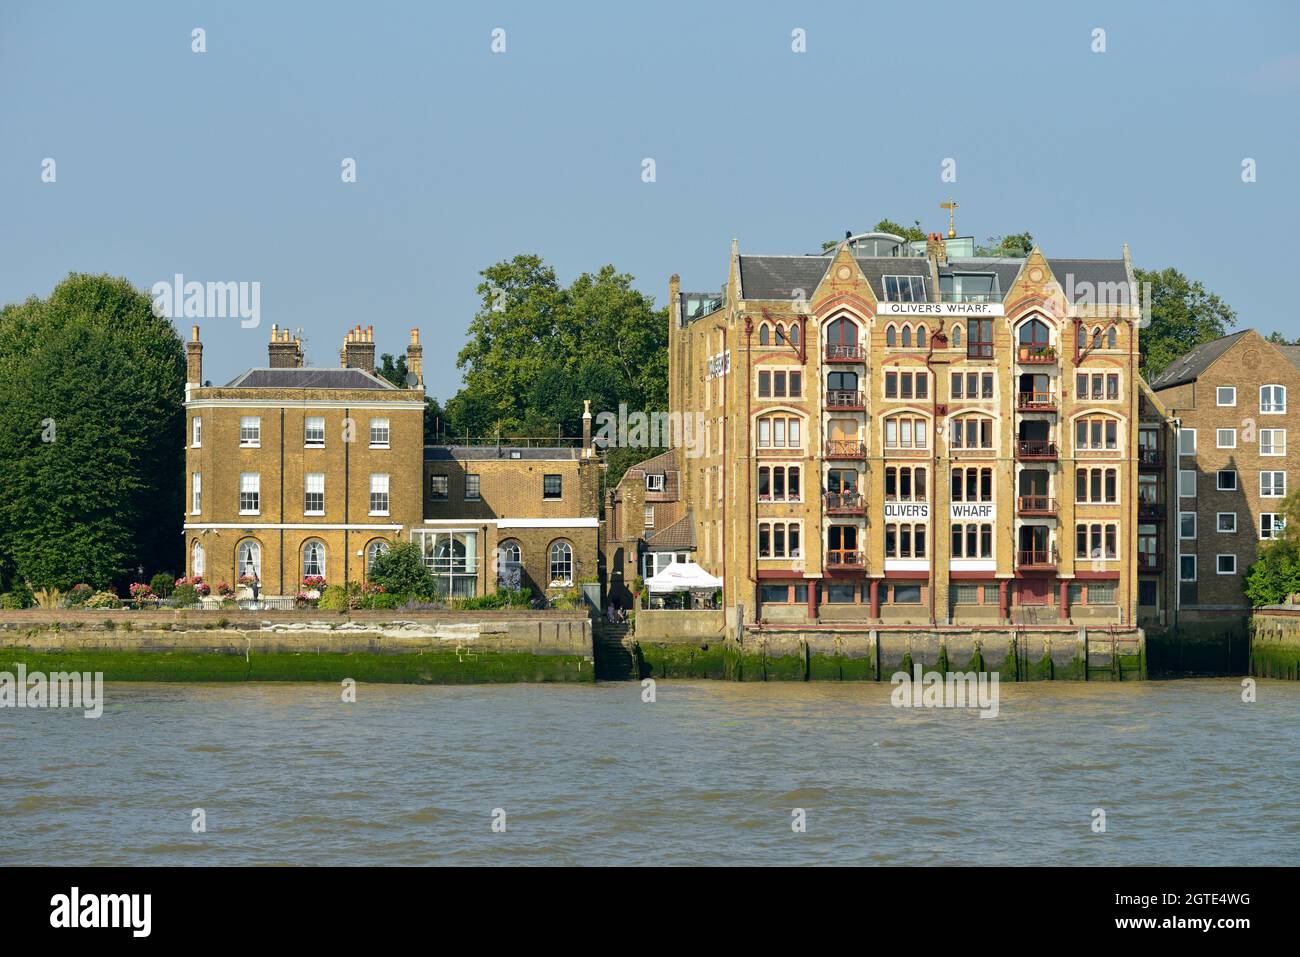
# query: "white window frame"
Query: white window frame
{"points": [[252, 425], [649, 516], [308, 441], [313, 479], [1274, 493], [1218, 523], [196, 432], [1183, 474], [381, 433], [1218, 395], [1181, 536], [379, 487], [250, 483], [1218, 569], [1219, 443], [654, 481], [1181, 576], [1218, 480], [1183, 446], [196, 493], [1277, 449], [1276, 522], [198, 559], [1272, 407]]}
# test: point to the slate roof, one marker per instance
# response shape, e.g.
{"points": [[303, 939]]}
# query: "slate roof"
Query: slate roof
{"points": [[663, 462], [309, 377], [776, 277], [484, 453], [1186, 368], [1292, 354], [1104, 280], [680, 534]]}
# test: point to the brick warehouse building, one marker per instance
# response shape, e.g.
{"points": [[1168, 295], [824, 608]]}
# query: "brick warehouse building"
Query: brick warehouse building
{"points": [[1230, 467], [893, 434]]}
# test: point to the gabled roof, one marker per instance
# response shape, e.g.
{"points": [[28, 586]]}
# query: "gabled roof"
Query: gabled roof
{"points": [[663, 462], [309, 377], [1188, 367], [777, 277], [680, 534], [1096, 280]]}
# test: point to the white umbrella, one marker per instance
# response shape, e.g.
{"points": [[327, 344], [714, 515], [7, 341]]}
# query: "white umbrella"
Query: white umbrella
{"points": [[682, 576]]}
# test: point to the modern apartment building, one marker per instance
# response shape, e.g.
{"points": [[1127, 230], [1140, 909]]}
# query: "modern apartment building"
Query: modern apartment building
{"points": [[1230, 401], [895, 434], [294, 471]]}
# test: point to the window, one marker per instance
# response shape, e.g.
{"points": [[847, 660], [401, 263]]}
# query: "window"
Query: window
{"points": [[654, 481], [373, 551], [196, 432], [780, 384], [313, 432], [905, 484], [1187, 483], [779, 483], [907, 595], [248, 559], [250, 498], [905, 432], [552, 487], [472, 487], [561, 563], [1112, 338], [972, 540], [1096, 486], [842, 389], [1272, 484], [313, 559], [1096, 434], [764, 334], [509, 564], [1225, 564], [314, 495], [649, 516], [379, 433], [891, 337], [1226, 480], [452, 558], [1187, 568], [1225, 438], [977, 385], [907, 337], [971, 432], [979, 343], [1271, 525], [779, 539], [965, 594], [196, 559], [779, 432], [439, 487], [1148, 592], [1035, 337], [1101, 593], [906, 385], [379, 495], [956, 337], [972, 485], [196, 493], [1225, 522], [250, 431], [1272, 399], [904, 289], [1096, 540], [1186, 441], [1225, 395], [906, 540], [1272, 441], [1187, 525], [783, 594]]}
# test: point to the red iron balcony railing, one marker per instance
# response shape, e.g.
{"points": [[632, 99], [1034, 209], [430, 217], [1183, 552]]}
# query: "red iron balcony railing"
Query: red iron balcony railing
{"points": [[851, 353], [843, 399], [1036, 505], [843, 558], [845, 449], [1036, 450], [1035, 401], [1034, 558], [844, 503]]}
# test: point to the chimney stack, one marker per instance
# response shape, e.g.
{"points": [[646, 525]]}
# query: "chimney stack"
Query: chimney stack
{"points": [[415, 361], [285, 350], [936, 250], [359, 349], [194, 358], [586, 428]]}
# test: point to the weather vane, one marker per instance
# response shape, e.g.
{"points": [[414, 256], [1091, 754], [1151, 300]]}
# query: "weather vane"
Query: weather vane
{"points": [[951, 206]]}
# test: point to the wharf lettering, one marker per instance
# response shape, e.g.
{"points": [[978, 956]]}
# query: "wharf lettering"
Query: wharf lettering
{"points": [[908, 510], [939, 309], [966, 511]]}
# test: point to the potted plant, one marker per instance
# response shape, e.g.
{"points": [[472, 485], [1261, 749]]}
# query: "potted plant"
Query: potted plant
{"points": [[312, 586]]}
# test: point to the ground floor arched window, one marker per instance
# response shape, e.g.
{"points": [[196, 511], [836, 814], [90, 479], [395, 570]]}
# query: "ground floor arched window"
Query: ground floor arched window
{"points": [[561, 563], [373, 551], [313, 559], [248, 559], [196, 559]]}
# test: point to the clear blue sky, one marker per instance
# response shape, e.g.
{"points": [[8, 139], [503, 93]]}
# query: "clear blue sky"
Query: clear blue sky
{"points": [[226, 165]]}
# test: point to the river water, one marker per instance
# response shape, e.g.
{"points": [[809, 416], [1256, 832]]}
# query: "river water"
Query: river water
{"points": [[709, 773]]}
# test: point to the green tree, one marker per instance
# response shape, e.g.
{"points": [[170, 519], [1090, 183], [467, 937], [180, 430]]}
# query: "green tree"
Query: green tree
{"points": [[1184, 314], [1014, 246], [1277, 338], [92, 426], [537, 349], [401, 571], [394, 370], [1275, 575]]}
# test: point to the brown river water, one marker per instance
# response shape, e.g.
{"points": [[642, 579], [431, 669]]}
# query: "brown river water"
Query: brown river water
{"points": [[709, 773]]}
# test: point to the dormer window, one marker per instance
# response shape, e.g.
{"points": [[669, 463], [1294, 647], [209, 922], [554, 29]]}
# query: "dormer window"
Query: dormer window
{"points": [[905, 289], [654, 482]]}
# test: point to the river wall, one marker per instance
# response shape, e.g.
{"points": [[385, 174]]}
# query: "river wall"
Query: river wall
{"points": [[1275, 642]]}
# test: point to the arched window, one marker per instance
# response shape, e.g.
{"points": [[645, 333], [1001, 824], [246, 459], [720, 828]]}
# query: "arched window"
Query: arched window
{"points": [[196, 558], [907, 337], [794, 333], [561, 563], [1035, 334], [248, 559], [510, 559], [1272, 399], [921, 337], [373, 551], [890, 337], [842, 332], [313, 559], [780, 431], [780, 332], [764, 334], [1096, 337], [1112, 337], [956, 337], [970, 432]]}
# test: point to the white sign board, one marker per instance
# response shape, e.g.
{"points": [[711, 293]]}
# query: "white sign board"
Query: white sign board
{"points": [[719, 364], [941, 309], [972, 511], [907, 511]]}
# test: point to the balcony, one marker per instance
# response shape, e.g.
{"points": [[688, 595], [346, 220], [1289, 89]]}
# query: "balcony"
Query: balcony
{"points": [[979, 350], [1035, 402], [1036, 355], [1151, 459], [845, 449], [1035, 560], [1036, 450], [845, 400], [1151, 511], [1036, 505], [844, 353], [844, 558], [845, 503], [1150, 562]]}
